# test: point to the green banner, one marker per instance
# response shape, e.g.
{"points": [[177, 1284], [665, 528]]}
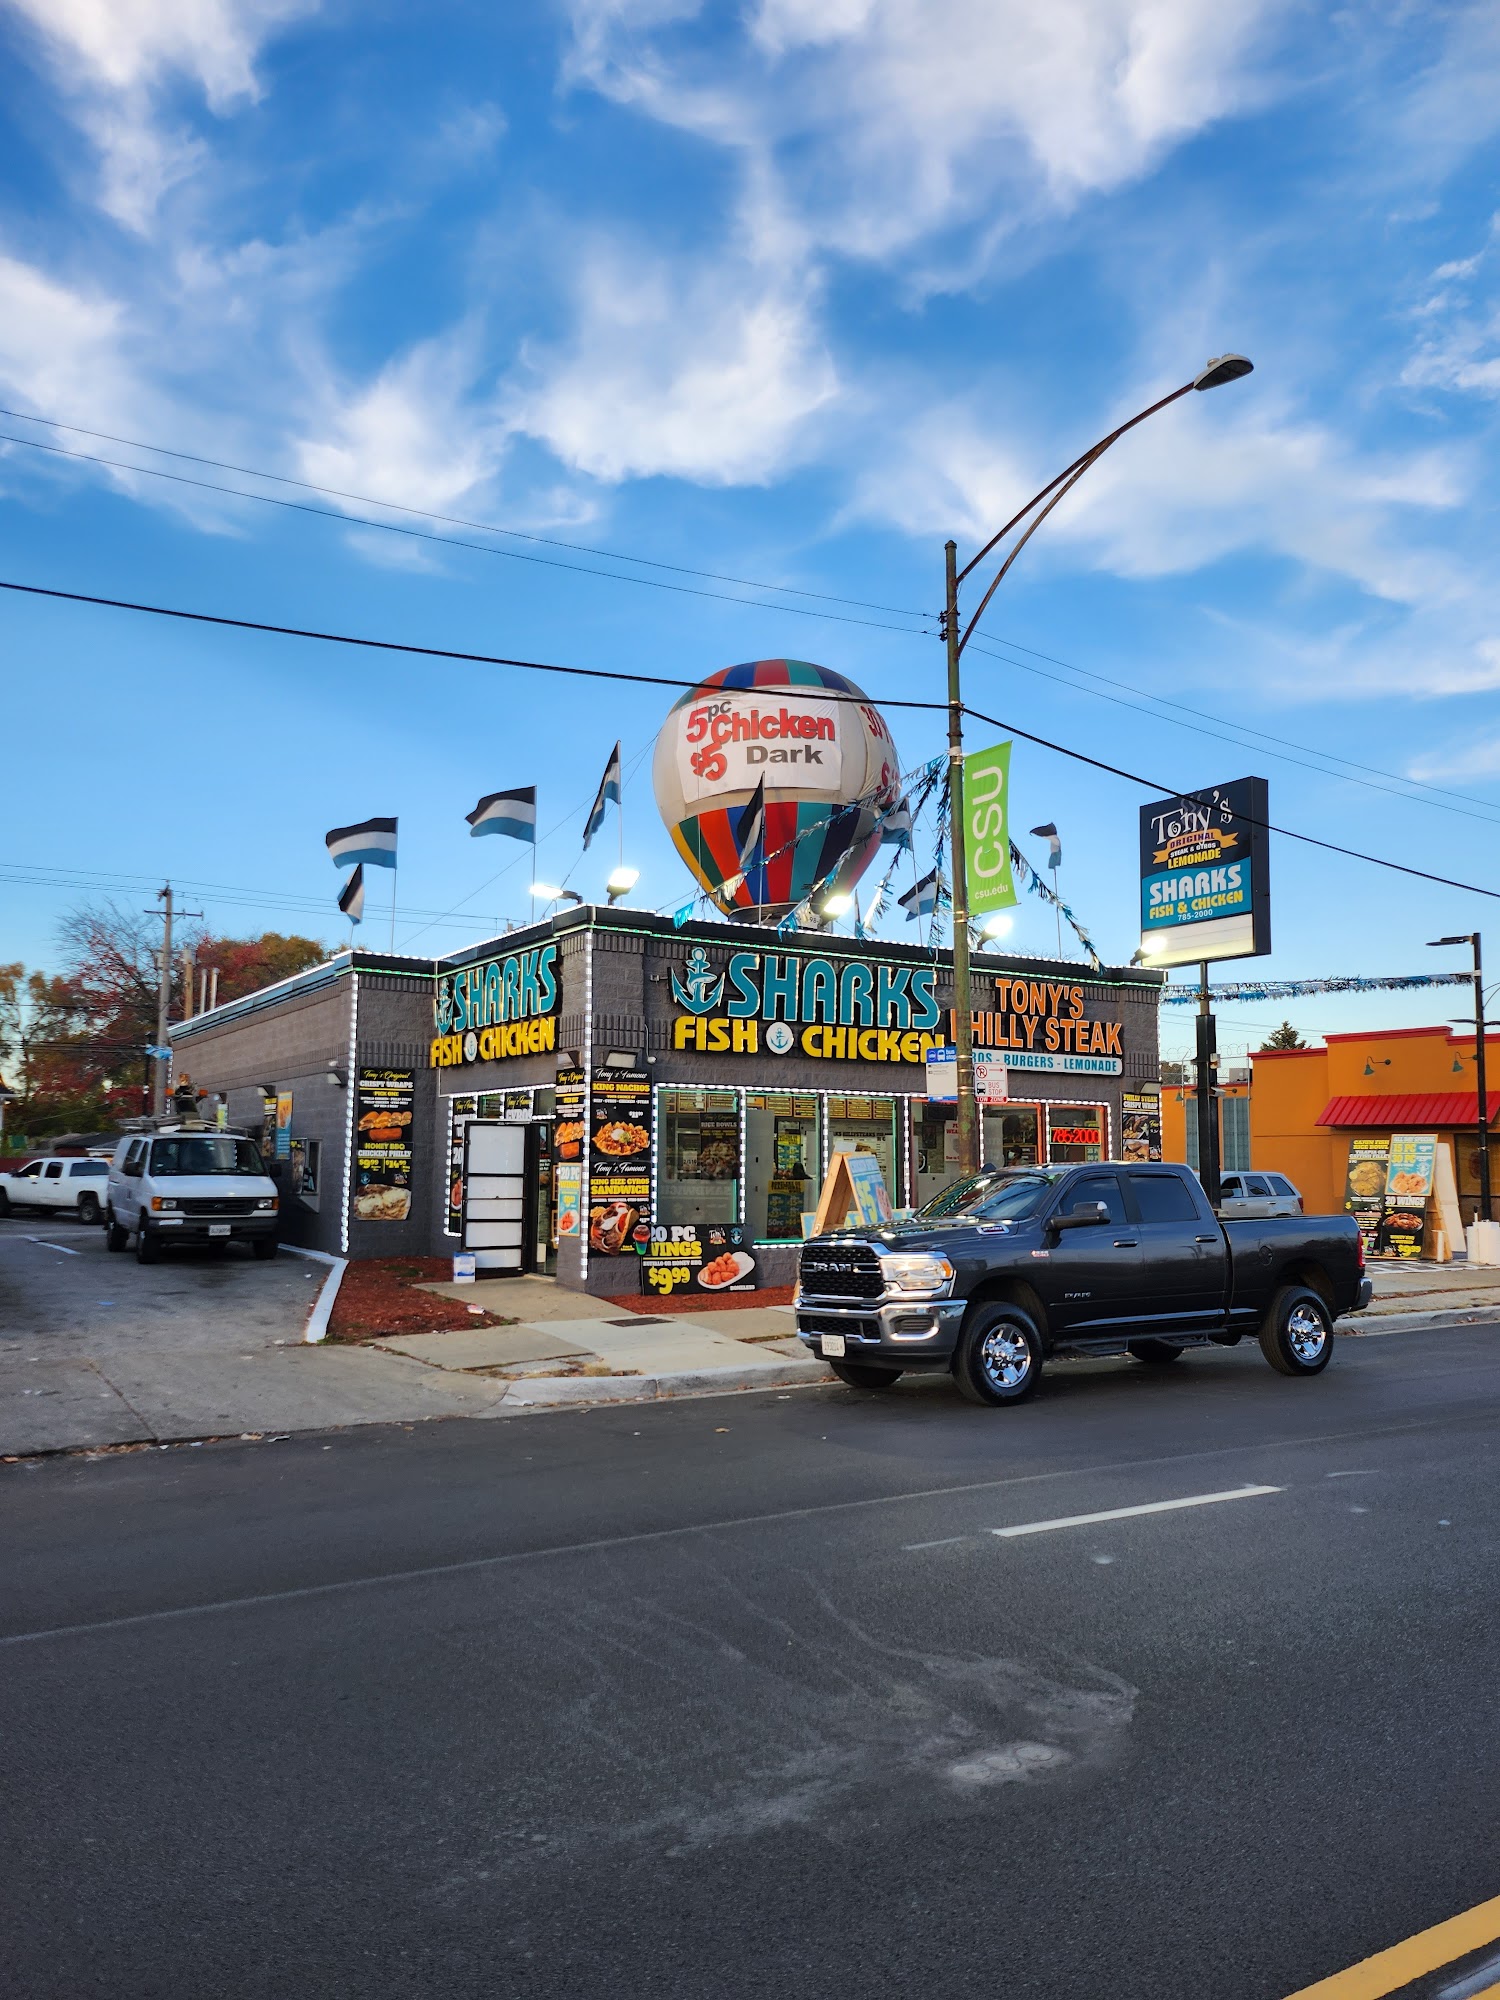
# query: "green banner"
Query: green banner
{"points": [[987, 830]]}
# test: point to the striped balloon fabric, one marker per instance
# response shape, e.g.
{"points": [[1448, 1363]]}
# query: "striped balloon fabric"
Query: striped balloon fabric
{"points": [[825, 758]]}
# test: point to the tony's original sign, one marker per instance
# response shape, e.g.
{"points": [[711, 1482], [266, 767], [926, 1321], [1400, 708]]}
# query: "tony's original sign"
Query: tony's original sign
{"points": [[1205, 892]]}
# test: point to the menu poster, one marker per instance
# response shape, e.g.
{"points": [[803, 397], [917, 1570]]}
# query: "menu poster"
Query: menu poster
{"points": [[569, 1202], [283, 1125], [382, 1138], [1141, 1125], [697, 1257], [460, 1111], [620, 1163], [872, 1201], [1364, 1187], [569, 1102], [1408, 1185]]}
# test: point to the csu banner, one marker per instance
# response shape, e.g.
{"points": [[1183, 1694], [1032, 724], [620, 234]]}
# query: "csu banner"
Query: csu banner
{"points": [[987, 830]]}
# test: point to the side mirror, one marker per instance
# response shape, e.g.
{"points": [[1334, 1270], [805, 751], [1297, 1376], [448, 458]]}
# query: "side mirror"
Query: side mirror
{"points": [[1087, 1215]]}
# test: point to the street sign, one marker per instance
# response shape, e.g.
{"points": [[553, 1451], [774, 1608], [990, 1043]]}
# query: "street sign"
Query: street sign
{"points": [[987, 830]]}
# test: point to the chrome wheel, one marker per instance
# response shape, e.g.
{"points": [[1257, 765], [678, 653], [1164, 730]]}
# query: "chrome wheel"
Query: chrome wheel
{"points": [[1306, 1332], [1005, 1356]]}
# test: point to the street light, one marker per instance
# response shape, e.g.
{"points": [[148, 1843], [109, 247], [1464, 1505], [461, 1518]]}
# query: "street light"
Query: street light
{"points": [[621, 882], [1472, 938], [550, 893], [1223, 368]]}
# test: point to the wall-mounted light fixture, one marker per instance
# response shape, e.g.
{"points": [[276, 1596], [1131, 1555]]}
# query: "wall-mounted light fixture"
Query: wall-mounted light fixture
{"points": [[337, 1077], [622, 1059]]}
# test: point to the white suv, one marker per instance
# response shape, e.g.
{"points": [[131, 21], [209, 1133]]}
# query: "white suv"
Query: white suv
{"points": [[73, 1184], [1250, 1195], [189, 1184]]}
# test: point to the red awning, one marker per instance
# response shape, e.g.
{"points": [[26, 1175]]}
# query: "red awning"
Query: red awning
{"points": [[1414, 1111]]}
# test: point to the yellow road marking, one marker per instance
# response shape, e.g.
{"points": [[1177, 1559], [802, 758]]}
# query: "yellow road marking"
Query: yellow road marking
{"points": [[1388, 1970]]}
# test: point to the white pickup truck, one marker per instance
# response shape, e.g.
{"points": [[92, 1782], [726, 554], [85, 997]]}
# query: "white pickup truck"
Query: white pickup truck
{"points": [[74, 1184]]}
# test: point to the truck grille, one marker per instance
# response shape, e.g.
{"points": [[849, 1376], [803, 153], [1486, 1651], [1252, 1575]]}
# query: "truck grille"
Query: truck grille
{"points": [[851, 1272], [217, 1204]]}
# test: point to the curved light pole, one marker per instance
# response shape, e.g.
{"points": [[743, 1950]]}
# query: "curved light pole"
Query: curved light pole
{"points": [[1226, 368]]}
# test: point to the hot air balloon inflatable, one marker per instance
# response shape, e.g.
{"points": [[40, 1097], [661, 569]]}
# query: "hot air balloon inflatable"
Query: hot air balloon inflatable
{"points": [[829, 767]]}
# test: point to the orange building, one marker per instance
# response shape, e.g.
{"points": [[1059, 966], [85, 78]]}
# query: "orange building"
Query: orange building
{"points": [[1307, 1104]]}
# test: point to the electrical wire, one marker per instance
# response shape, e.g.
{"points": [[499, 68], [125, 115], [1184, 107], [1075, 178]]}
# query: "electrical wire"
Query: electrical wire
{"points": [[1195, 798], [1174, 710], [451, 520], [790, 693], [1488, 817], [455, 542]]}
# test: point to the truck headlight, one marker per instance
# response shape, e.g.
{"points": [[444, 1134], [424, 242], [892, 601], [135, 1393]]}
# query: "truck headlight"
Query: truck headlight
{"points": [[159, 1202], [264, 1203], [917, 1274]]}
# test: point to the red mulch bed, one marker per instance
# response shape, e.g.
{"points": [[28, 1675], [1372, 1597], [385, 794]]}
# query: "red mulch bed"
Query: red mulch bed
{"points": [[701, 1302], [379, 1295]]}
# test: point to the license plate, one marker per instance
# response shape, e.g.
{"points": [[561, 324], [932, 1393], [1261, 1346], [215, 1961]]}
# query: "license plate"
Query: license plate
{"points": [[218, 1229], [833, 1346]]}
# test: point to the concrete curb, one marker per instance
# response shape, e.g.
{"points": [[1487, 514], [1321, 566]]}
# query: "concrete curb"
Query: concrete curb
{"points": [[549, 1391], [317, 1320], [1416, 1322]]}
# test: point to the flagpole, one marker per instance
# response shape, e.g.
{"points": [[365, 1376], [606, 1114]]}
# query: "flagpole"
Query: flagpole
{"points": [[393, 909]]}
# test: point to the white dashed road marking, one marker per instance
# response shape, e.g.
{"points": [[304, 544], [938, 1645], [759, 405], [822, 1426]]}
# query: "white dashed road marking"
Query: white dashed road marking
{"points": [[1127, 1513], [67, 1252]]}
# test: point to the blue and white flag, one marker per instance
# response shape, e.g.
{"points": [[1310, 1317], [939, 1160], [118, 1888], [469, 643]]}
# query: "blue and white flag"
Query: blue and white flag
{"points": [[1048, 832], [750, 833], [922, 899], [510, 813], [373, 840], [607, 794], [352, 896], [895, 828]]}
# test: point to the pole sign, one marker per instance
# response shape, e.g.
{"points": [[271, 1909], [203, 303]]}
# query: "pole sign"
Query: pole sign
{"points": [[987, 830], [1205, 879]]}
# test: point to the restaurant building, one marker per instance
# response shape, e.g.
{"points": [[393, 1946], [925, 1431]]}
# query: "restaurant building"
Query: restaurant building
{"points": [[635, 1105], [1306, 1107]]}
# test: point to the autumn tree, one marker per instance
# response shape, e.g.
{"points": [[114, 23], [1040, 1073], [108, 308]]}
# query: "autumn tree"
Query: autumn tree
{"points": [[76, 1040]]}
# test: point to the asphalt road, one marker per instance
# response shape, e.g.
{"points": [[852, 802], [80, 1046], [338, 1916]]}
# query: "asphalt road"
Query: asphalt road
{"points": [[743, 1696]]}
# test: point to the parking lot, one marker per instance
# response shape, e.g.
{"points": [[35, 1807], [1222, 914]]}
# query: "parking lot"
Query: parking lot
{"points": [[96, 1349]]}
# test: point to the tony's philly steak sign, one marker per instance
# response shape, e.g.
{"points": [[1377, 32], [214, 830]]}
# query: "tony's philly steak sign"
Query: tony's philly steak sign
{"points": [[778, 1001]]}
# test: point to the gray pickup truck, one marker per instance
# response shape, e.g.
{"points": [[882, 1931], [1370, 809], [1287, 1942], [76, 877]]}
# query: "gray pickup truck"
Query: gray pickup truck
{"points": [[1002, 1269]]}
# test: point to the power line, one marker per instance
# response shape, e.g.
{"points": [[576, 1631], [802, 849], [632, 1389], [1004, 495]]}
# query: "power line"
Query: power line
{"points": [[451, 520], [1374, 770], [1155, 785], [789, 693], [454, 541], [1415, 787], [1263, 745]]}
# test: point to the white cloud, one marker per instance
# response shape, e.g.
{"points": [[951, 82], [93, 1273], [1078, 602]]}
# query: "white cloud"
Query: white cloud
{"points": [[112, 58], [888, 120], [700, 369], [415, 434]]}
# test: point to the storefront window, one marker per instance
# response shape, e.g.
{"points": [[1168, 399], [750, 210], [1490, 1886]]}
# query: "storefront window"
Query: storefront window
{"points": [[783, 1164], [698, 1173], [1075, 1132], [1010, 1136], [868, 1125], [934, 1148]]}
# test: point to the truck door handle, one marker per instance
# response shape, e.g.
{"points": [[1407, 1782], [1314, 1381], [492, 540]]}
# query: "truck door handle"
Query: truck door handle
{"points": [[1205, 1239], [1126, 1243]]}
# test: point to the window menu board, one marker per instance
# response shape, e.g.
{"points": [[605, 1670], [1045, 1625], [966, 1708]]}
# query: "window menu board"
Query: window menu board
{"points": [[620, 1163], [383, 1112]]}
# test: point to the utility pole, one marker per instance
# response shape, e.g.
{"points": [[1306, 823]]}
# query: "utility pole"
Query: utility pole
{"points": [[1207, 1104], [963, 1018], [164, 996], [1486, 1212]]}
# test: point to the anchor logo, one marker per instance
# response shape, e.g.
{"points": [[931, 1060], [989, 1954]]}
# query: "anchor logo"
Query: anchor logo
{"points": [[699, 990]]}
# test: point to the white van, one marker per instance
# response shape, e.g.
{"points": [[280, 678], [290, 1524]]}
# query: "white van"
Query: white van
{"points": [[189, 1183]]}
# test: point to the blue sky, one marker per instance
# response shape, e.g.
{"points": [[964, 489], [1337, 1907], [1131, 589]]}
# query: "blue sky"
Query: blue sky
{"points": [[785, 293]]}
